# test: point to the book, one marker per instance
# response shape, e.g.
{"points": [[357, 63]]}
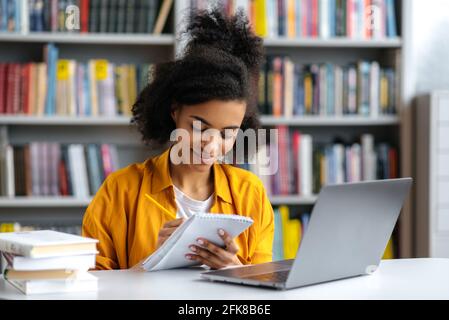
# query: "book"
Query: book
{"points": [[278, 247], [172, 252], [11, 274], [291, 233], [77, 163], [75, 262], [162, 17], [46, 243], [84, 282]]}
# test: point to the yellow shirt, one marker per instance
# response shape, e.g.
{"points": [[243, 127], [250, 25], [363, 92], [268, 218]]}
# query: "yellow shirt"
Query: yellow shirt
{"points": [[127, 224]]}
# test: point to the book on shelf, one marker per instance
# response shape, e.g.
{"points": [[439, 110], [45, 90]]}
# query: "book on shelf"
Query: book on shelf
{"points": [[53, 169], [305, 164], [86, 16], [355, 19], [289, 231], [67, 87], [288, 89]]}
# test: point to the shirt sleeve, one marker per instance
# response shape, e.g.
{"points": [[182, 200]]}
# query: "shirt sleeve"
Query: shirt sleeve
{"points": [[97, 225], [264, 248]]}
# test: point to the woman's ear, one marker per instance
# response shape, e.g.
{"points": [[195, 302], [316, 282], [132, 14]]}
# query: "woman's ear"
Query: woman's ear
{"points": [[174, 113]]}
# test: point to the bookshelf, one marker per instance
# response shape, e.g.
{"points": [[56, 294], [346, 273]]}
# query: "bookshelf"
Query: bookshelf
{"points": [[265, 120], [283, 42], [98, 39], [61, 202], [142, 48]]}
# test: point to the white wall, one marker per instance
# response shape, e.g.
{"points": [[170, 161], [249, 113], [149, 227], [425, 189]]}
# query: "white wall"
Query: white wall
{"points": [[427, 32]]}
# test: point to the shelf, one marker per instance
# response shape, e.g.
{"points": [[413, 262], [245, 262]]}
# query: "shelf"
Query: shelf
{"points": [[43, 202], [90, 38], [330, 121], [265, 120], [169, 39], [292, 200], [64, 120], [60, 202], [283, 42]]}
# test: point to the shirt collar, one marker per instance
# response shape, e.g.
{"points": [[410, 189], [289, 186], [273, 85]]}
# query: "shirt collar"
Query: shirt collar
{"points": [[161, 177]]}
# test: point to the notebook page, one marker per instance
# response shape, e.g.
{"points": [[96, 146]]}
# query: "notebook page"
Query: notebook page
{"points": [[203, 225], [157, 255]]}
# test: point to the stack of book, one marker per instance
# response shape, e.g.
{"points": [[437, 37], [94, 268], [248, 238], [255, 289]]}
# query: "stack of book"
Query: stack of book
{"points": [[362, 19], [70, 88], [111, 16], [298, 165], [52, 169], [48, 261], [362, 88]]}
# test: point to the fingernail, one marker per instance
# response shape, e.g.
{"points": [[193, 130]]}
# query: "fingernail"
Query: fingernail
{"points": [[188, 257], [200, 241], [221, 232], [192, 248]]}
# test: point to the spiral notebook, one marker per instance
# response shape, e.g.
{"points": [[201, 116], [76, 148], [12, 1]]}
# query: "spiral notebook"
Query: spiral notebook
{"points": [[172, 253]]}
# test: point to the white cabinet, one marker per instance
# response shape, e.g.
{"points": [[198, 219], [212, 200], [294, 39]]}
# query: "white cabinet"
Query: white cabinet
{"points": [[432, 175], [443, 137], [443, 110], [443, 165]]}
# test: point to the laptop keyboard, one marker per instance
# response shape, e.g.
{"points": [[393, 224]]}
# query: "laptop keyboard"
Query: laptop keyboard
{"points": [[278, 276]]}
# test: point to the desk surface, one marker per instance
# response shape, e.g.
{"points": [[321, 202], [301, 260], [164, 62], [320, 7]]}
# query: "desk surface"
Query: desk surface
{"points": [[395, 279]]}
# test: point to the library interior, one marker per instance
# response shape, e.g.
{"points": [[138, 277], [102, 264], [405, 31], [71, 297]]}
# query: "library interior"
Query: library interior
{"points": [[355, 91]]}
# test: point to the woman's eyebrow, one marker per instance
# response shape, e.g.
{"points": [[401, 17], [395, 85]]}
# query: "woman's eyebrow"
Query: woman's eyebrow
{"points": [[207, 123]]}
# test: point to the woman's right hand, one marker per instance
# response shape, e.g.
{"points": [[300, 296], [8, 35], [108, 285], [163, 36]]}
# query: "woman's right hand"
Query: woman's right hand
{"points": [[167, 229]]}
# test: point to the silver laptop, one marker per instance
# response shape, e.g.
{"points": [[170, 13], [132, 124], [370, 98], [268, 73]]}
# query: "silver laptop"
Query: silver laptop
{"points": [[348, 232]]}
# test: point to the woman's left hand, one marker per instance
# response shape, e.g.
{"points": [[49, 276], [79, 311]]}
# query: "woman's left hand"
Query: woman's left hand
{"points": [[213, 256]]}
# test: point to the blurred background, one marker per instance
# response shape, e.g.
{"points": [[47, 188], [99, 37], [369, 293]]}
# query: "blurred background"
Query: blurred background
{"points": [[357, 89]]}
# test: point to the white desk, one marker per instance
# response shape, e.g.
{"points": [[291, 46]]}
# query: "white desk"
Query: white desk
{"points": [[395, 279]]}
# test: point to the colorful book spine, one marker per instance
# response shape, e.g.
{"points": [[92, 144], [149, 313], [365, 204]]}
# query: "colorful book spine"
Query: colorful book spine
{"points": [[363, 88], [358, 19], [51, 169], [304, 166], [105, 16]]}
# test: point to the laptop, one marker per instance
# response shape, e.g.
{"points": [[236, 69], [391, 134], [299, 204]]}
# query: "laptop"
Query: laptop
{"points": [[348, 232]]}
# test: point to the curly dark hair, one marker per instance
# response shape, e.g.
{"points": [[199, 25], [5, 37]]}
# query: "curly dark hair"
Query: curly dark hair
{"points": [[221, 61]]}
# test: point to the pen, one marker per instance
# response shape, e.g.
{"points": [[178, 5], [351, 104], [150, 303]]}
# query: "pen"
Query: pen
{"points": [[171, 215]]}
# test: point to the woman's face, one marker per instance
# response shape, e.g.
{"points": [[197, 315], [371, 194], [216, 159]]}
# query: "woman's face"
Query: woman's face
{"points": [[212, 129]]}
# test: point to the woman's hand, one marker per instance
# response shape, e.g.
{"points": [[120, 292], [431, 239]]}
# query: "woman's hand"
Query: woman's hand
{"points": [[213, 256], [167, 229]]}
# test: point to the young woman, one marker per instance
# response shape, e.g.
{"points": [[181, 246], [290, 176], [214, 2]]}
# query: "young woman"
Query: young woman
{"points": [[211, 88]]}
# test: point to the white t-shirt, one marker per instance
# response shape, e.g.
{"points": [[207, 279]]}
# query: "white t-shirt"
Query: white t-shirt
{"points": [[188, 206]]}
